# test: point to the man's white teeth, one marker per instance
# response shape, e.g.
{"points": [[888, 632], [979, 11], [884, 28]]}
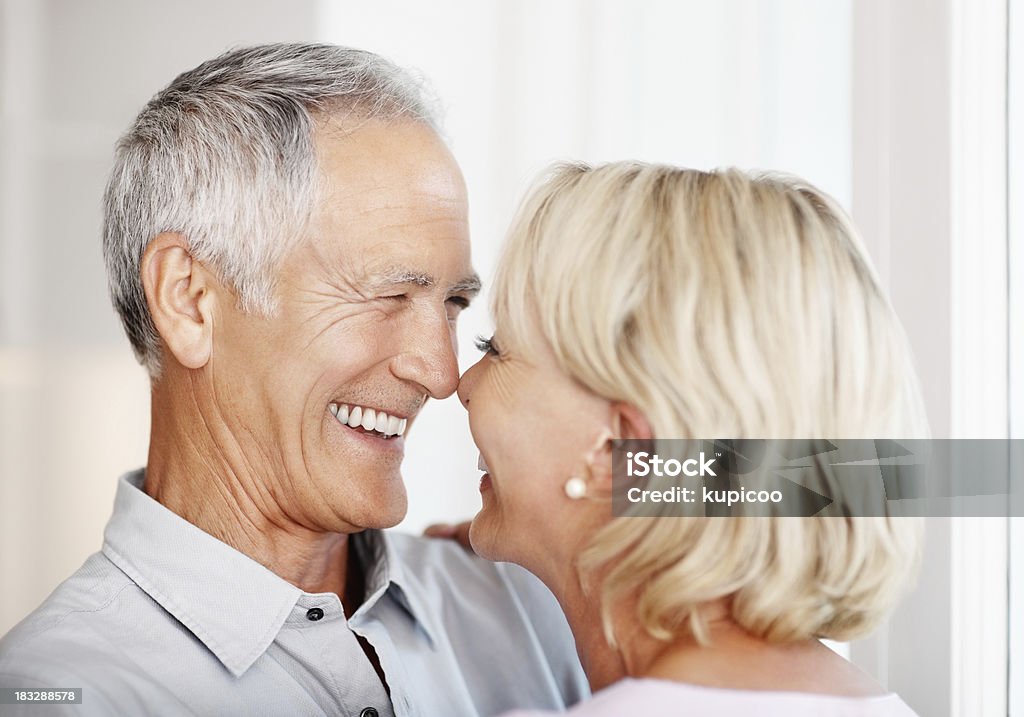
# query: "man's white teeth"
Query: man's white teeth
{"points": [[481, 464], [369, 419]]}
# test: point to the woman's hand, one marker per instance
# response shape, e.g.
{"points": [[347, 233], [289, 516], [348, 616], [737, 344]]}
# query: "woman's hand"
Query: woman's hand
{"points": [[458, 532]]}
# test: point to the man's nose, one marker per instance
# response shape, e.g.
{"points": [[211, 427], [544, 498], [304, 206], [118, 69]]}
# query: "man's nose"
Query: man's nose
{"points": [[431, 362]]}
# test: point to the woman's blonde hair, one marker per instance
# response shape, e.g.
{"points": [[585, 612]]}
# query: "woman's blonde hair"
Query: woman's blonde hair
{"points": [[721, 305]]}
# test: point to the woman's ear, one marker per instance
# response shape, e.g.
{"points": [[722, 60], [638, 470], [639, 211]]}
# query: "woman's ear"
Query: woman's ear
{"points": [[626, 423], [179, 295], [629, 423]]}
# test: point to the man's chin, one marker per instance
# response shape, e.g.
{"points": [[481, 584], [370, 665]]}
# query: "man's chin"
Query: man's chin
{"points": [[378, 514]]}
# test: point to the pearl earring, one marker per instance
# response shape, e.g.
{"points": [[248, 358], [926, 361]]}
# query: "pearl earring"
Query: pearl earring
{"points": [[575, 488]]}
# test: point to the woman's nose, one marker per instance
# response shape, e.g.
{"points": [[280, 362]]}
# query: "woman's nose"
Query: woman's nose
{"points": [[468, 381]]}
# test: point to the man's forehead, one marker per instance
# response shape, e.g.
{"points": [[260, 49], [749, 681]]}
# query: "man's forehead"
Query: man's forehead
{"points": [[391, 198], [391, 209], [403, 259], [387, 162]]}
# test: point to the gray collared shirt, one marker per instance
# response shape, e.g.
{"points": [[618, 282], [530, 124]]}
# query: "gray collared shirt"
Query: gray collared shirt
{"points": [[168, 620]]}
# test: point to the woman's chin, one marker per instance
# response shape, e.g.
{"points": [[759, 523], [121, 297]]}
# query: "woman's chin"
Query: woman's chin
{"points": [[484, 538]]}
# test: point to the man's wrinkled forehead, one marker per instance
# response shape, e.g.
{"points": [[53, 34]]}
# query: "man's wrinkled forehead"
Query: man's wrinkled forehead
{"points": [[378, 272], [360, 162], [391, 211]]}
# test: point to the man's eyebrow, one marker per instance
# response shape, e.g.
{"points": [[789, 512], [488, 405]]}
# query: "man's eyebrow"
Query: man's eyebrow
{"points": [[469, 285], [398, 276]]}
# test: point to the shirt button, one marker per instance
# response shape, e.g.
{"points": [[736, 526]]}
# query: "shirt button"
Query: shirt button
{"points": [[368, 712], [314, 613]]}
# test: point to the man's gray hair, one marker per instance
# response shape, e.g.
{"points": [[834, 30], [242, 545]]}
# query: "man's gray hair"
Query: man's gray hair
{"points": [[225, 157]]}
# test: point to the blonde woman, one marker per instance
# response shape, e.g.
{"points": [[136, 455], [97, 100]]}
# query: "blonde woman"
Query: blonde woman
{"points": [[640, 301]]}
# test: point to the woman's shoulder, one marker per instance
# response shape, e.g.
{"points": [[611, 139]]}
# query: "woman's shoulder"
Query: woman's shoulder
{"points": [[661, 697]]}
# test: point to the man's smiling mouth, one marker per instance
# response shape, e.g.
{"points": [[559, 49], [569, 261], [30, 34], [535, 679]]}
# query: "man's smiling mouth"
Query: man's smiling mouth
{"points": [[373, 421]]}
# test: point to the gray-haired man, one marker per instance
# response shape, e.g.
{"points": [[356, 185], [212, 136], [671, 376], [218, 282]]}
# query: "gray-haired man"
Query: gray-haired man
{"points": [[286, 241]]}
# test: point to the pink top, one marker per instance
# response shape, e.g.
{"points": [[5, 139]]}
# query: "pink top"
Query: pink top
{"points": [[655, 698]]}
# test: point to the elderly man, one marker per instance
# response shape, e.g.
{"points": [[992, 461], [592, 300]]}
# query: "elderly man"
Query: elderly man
{"points": [[286, 242]]}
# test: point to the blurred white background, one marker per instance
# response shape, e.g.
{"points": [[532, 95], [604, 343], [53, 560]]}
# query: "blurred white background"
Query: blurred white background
{"points": [[896, 108], [524, 84]]}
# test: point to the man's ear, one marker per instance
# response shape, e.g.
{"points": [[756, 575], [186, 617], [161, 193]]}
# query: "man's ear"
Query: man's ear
{"points": [[179, 292]]}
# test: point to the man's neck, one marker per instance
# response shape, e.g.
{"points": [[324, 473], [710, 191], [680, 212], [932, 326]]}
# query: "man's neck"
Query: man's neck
{"points": [[206, 477]]}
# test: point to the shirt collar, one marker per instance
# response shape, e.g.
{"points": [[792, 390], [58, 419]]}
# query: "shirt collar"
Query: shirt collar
{"points": [[386, 572], [233, 604], [229, 601]]}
